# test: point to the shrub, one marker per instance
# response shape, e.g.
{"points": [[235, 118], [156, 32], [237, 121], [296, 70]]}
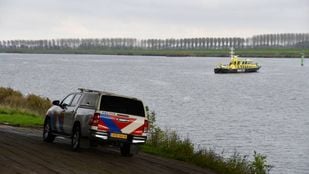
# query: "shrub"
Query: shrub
{"points": [[8, 92], [32, 103], [259, 165], [37, 103], [168, 144]]}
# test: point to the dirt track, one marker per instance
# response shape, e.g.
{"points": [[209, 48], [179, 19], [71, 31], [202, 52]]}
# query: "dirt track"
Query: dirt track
{"points": [[23, 151]]}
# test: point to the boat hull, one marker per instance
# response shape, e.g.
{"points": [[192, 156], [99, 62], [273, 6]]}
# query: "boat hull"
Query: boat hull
{"points": [[225, 70]]}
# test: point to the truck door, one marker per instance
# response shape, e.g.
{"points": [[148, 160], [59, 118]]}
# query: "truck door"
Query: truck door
{"points": [[69, 108]]}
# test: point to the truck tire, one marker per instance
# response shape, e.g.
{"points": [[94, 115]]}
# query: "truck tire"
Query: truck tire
{"points": [[75, 138], [125, 150], [47, 131]]}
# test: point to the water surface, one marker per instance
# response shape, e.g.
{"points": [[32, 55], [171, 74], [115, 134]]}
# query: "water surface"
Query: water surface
{"points": [[266, 111]]}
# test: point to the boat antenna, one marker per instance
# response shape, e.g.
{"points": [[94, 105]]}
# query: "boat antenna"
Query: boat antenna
{"points": [[232, 52]]}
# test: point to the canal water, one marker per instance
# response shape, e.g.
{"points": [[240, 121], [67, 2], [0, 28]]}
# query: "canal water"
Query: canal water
{"points": [[266, 111]]}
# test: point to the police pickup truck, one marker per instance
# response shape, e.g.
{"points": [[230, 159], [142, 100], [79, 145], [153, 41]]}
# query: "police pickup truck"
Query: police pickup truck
{"points": [[100, 117]]}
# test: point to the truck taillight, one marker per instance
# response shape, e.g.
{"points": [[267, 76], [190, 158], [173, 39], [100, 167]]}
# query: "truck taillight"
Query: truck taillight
{"points": [[146, 126], [94, 120]]}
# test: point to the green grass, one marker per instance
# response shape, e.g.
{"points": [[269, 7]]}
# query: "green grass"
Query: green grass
{"points": [[170, 145], [248, 52], [31, 103], [19, 118], [273, 52], [22, 110]]}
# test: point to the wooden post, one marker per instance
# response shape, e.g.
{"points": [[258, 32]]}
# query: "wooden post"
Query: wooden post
{"points": [[302, 59]]}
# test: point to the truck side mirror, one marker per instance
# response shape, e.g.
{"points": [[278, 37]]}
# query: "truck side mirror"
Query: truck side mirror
{"points": [[64, 105], [56, 102]]}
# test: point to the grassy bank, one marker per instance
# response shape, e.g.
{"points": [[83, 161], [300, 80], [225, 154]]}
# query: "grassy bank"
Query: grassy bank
{"points": [[170, 145], [257, 52], [19, 118], [30, 103], [20, 110]]}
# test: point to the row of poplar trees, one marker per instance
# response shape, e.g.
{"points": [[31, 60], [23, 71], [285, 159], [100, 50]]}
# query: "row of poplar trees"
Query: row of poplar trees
{"points": [[284, 40]]}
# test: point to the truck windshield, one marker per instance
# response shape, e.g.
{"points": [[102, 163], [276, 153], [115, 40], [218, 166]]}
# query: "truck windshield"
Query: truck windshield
{"points": [[122, 105]]}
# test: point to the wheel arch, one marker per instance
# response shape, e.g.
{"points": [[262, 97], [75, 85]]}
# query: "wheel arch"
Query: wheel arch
{"points": [[47, 117], [77, 123]]}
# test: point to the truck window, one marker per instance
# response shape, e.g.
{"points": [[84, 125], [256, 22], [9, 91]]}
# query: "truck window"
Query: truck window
{"points": [[122, 105], [75, 100], [67, 100], [89, 100]]}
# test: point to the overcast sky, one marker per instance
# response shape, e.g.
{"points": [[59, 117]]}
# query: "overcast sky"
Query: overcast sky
{"points": [[46, 19]]}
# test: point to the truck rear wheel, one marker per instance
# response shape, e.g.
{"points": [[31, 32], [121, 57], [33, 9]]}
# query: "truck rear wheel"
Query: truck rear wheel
{"points": [[75, 138], [125, 149]]}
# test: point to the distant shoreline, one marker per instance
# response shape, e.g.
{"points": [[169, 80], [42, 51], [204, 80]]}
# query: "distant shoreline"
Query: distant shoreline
{"points": [[249, 52]]}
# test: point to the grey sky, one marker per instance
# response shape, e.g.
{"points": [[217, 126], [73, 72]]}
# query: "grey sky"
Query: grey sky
{"points": [[46, 19]]}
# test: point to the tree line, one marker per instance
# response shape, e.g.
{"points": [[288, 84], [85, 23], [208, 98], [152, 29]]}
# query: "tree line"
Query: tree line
{"points": [[283, 40]]}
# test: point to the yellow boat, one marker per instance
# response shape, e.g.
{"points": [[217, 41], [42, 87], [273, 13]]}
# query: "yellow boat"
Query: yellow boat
{"points": [[237, 65]]}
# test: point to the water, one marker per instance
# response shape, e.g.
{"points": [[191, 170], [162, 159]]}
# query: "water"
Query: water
{"points": [[266, 111]]}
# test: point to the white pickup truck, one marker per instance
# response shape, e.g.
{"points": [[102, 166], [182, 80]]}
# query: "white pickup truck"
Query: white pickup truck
{"points": [[101, 117]]}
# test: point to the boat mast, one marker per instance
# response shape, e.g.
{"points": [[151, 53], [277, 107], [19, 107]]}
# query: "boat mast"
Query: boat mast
{"points": [[232, 52]]}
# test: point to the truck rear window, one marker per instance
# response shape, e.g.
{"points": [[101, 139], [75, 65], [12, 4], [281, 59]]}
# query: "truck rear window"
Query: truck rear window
{"points": [[122, 105]]}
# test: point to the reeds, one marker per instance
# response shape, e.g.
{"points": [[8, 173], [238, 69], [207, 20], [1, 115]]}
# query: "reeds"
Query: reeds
{"points": [[168, 144], [31, 103]]}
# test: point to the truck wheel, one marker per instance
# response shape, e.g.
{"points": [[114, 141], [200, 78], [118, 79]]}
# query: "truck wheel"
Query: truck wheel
{"points": [[75, 138], [47, 132], [125, 149]]}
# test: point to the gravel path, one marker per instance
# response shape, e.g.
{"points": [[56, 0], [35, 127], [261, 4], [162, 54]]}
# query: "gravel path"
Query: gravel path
{"points": [[23, 151]]}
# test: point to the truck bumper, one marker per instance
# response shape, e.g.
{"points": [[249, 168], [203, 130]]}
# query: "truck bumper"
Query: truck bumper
{"points": [[106, 136]]}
